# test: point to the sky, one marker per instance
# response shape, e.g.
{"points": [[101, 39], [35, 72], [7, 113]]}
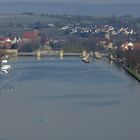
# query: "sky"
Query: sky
{"points": [[78, 1]]}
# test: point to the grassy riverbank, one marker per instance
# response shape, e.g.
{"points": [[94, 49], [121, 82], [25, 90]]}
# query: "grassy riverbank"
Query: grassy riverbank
{"points": [[134, 74]]}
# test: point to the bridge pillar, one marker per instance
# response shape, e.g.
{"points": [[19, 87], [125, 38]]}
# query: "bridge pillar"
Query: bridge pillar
{"points": [[84, 53], [61, 54], [38, 54]]}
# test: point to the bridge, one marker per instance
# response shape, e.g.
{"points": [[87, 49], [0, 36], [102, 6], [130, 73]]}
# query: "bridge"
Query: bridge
{"points": [[60, 53]]}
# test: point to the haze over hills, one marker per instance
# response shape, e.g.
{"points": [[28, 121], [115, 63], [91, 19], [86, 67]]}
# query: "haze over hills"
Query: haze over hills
{"points": [[72, 9]]}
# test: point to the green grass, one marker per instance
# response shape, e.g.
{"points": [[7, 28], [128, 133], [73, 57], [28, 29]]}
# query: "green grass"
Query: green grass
{"points": [[136, 75]]}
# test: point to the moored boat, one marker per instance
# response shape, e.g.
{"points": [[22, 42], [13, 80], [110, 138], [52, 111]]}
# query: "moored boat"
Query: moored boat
{"points": [[86, 59], [4, 68]]}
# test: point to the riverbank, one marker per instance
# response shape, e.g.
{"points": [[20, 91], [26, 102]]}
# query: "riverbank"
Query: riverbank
{"points": [[131, 72]]}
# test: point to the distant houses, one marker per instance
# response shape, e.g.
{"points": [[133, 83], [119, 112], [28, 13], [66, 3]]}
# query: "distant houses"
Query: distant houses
{"points": [[8, 42], [11, 42], [89, 36], [131, 47]]}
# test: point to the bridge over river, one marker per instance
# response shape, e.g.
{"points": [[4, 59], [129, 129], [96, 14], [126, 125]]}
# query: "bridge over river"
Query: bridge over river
{"points": [[48, 54]]}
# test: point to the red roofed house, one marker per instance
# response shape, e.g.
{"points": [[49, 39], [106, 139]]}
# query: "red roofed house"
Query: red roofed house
{"points": [[5, 42], [30, 36]]}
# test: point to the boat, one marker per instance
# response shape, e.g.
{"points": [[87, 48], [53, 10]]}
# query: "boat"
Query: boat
{"points": [[4, 68], [4, 61], [86, 59], [3, 71], [98, 55]]}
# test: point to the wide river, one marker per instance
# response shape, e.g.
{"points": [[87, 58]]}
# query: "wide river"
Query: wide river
{"points": [[54, 99]]}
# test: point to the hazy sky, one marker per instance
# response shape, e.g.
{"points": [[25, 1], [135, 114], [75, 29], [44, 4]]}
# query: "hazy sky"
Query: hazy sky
{"points": [[78, 1]]}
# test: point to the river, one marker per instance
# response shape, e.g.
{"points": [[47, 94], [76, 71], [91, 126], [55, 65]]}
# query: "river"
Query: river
{"points": [[54, 99]]}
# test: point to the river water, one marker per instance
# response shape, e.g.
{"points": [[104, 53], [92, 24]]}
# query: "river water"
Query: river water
{"points": [[54, 99]]}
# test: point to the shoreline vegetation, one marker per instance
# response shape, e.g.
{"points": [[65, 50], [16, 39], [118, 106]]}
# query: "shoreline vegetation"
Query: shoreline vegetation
{"points": [[132, 73]]}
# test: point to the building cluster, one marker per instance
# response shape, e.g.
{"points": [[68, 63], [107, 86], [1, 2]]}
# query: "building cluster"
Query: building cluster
{"points": [[129, 46], [95, 29], [8, 42], [101, 35], [19, 42], [115, 31]]}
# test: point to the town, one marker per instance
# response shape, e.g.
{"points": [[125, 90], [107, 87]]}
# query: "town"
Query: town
{"points": [[119, 37]]}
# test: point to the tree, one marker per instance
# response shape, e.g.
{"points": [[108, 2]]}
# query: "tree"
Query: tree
{"points": [[30, 47]]}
